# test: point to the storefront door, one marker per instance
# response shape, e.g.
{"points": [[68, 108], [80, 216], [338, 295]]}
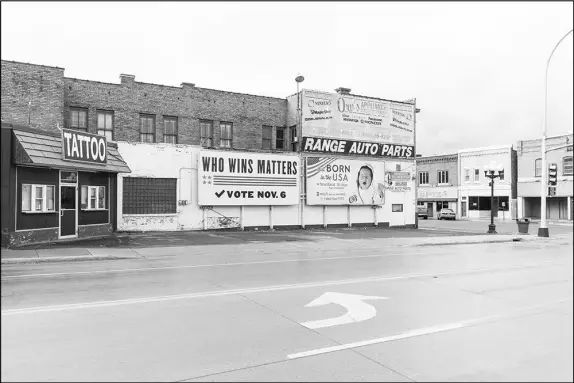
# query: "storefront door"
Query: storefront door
{"points": [[463, 209], [430, 209], [68, 213]]}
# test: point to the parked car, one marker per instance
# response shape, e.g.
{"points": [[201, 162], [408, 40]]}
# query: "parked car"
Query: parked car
{"points": [[446, 214], [422, 212]]}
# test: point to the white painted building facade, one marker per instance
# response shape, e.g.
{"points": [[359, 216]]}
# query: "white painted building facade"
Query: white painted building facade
{"points": [[474, 187], [180, 163]]}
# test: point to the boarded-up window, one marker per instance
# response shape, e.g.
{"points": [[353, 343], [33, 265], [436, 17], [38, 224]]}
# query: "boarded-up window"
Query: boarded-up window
{"points": [[267, 134], [149, 195]]}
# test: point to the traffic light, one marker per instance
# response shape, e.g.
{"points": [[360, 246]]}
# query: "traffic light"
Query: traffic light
{"points": [[552, 174]]}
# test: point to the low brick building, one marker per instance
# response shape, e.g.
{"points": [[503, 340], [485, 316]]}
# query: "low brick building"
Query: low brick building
{"points": [[437, 183]]}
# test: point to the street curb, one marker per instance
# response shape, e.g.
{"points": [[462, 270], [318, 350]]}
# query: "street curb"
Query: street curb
{"points": [[470, 243], [12, 261]]}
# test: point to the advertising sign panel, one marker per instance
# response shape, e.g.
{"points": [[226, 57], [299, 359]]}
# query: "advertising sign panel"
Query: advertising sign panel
{"points": [[438, 192], [399, 181], [235, 179], [356, 118], [84, 147], [373, 149], [336, 181]]}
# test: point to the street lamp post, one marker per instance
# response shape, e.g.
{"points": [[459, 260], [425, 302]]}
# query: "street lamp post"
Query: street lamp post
{"points": [[299, 79], [543, 229], [491, 173]]}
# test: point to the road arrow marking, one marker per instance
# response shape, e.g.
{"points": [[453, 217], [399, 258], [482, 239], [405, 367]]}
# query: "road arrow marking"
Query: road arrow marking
{"points": [[357, 309]]}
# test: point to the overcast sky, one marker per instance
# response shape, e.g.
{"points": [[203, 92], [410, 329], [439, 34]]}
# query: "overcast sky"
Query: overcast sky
{"points": [[476, 69]]}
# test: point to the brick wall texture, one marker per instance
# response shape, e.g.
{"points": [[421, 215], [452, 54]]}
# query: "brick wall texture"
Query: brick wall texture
{"points": [[433, 164], [52, 95], [34, 92]]}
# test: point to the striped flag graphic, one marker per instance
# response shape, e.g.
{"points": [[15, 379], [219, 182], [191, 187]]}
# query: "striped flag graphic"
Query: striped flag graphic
{"points": [[254, 181], [316, 164]]}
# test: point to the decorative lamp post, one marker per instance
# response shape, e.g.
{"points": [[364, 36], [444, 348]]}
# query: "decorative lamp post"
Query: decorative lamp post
{"points": [[492, 172]]}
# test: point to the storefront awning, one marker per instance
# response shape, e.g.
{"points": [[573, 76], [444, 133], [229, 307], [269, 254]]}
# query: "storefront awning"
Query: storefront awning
{"points": [[45, 149]]}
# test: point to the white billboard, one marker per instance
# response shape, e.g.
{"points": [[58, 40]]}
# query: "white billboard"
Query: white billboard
{"points": [[336, 181], [235, 179], [356, 118]]}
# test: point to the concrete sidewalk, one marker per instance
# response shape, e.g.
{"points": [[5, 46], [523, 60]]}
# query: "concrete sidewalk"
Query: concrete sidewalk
{"points": [[316, 243]]}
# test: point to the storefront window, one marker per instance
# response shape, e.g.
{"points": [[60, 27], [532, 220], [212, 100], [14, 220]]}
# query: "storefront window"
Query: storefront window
{"points": [[37, 198], [26, 197], [93, 197], [84, 198], [101, 197], [50, 198]]}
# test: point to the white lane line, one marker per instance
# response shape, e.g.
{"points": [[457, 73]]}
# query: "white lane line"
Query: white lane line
{"points": [[427, 330], [121, 302], [211, 265]]}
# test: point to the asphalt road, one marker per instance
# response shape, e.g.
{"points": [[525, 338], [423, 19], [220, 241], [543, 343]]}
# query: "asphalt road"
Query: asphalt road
{"points": [[341, 311]]}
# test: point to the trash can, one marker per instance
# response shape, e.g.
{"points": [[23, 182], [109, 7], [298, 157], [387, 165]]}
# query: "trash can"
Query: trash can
{"points": [[523, 225]]}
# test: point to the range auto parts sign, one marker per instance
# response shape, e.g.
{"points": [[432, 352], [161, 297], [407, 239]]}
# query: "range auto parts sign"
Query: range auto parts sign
{"points": [[235, 179], [372, 149], [84, 147], [359, 125]]}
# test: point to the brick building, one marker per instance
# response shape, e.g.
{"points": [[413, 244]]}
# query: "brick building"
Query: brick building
{"points": [[559, 206], [135, 111], [437, 183], [165, 134]]}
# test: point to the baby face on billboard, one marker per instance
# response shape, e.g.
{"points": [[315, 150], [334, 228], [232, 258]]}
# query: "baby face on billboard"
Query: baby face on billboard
{"points": [[365, 178]]}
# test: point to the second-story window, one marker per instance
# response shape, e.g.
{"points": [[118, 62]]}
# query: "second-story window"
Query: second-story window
{"points": [[106, 124], [267, 134], [443, 177], [466, 175], [538, 167], [423, 178], [293, 133], [170, 130], [147, 128], [78, 119], [280, 138], [476, 174], [206, 132], [226, 138], [567, 166]]}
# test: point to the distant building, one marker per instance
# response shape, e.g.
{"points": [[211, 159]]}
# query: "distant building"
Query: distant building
{"points": [[559, 206], [437, 183], [475, 190]]}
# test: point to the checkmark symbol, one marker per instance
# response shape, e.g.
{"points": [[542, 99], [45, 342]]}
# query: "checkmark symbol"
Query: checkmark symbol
{"points": [[220, 193]]}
